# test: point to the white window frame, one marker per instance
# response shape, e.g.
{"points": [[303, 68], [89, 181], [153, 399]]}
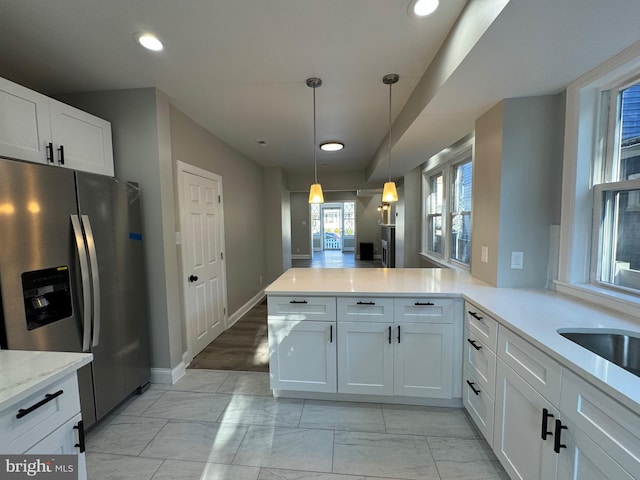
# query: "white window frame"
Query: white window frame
{"points": [[444, 162], [585, 147]]}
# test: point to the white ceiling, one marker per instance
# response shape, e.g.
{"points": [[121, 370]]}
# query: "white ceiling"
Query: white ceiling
{"points": [[238, 67]]}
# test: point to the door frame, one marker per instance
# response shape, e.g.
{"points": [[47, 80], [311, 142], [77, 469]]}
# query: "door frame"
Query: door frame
{"points": [[181, 169]]}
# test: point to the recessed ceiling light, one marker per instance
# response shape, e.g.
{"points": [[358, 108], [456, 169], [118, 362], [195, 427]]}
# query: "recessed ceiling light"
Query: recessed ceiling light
{"points": [[331, 146], [422, 8], [149, 41]]}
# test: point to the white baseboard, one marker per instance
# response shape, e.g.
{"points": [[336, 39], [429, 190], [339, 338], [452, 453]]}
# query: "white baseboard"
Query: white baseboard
{"points": [[301, 256], [257, 298], [168, 376]]}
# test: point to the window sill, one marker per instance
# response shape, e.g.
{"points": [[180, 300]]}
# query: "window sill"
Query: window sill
{"points": [[441, 263], [610, 299]]}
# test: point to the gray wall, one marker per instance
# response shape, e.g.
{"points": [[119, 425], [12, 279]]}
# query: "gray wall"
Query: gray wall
{"points": [[242, 187], [276, 211], [300, 224], [516, 191], [412, 221], [142, 153]]}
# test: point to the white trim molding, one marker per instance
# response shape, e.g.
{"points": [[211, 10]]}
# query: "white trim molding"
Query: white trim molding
{"points": [[168, 376], [237, 315]]}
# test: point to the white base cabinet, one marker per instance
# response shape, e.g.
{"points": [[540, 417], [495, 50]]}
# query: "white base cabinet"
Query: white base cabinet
{"points": [[520, 418], [302, 343], [302, 356], [39, 129], [46, 422], [423, 360], [366, 346]]}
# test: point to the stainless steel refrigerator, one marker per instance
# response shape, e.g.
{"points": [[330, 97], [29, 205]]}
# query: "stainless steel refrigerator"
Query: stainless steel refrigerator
{"points": [[72, 276]]}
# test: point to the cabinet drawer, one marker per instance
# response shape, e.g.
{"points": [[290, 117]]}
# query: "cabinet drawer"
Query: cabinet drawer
{"points": [[302, 308], [481, 325], [609, 424], [22, 433], [425, 309], [480, 361], [540, 371], [365, 309], [478, 404]]}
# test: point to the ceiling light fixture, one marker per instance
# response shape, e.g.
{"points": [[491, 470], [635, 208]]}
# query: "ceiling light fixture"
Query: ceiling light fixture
{"points": [[331, 146], [315, 192], [389, 192], [422, 8], [149, 41]]}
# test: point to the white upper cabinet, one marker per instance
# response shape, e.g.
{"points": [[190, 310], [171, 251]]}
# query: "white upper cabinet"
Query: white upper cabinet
{"points": [[82, 141], [39, 129], [25, 129]]}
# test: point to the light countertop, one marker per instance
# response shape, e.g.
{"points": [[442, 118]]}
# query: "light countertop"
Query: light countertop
{"points": [[23, 373], [536, 315]]}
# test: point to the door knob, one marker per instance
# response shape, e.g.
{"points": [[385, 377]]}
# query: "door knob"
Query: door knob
{"points": [[193, 278]]}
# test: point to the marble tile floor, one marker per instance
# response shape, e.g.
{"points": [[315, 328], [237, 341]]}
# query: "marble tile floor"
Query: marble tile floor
{"points": [[225, 425]]}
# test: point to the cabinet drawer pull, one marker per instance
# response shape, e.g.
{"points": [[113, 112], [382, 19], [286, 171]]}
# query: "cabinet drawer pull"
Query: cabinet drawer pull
{"points": [[424, 304], [49, 149], [61, 156], [80, 428], [474, 344], [366, 303], [298, 301], [389, 334], [47, 398], [475, 315], [545, 417], [471, 384], [557, 442]]}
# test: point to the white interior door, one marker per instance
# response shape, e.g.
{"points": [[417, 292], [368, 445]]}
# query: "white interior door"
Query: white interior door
{"points": [[202, 225]]}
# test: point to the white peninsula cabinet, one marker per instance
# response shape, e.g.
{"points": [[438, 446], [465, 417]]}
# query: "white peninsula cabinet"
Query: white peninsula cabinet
{"points": [[382, 347], [39, 129], [302, 343]]}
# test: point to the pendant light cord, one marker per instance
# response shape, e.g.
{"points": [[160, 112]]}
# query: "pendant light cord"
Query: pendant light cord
{"points": [[389, 165], [315, 164]]}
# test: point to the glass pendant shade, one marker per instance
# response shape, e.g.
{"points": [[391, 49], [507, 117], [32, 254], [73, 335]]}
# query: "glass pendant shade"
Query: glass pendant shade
{"points": [[389, 192], [315, 194]]}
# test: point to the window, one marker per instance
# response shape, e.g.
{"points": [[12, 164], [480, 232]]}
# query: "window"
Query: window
{"points": [[447, 204], [616, 228], [600, 228]]}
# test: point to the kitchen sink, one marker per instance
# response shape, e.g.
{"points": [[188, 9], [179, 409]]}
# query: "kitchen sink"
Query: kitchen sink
{"points": [[623, 349]]}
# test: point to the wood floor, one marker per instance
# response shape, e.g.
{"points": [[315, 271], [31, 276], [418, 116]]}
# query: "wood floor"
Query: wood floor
{"points": [[245, 346]]}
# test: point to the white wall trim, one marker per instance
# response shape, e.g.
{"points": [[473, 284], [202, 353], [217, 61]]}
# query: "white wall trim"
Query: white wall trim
{"points": [[257, 298], [168, 376], [301, 256]]}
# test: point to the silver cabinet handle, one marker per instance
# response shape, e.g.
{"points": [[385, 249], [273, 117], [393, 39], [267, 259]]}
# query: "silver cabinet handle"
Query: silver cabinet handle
{"points": [[86, 287], [95, 279]]}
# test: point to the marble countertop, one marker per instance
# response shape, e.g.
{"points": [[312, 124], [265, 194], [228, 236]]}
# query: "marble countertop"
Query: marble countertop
{"points": [[536, 315], [23, 373]]}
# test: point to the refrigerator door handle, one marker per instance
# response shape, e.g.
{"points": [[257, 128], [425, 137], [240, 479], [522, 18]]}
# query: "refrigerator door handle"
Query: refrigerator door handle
{"points": [[95, 278], [86, 286]]}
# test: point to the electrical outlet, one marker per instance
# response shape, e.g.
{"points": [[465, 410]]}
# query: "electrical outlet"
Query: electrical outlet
{"points": [[517, 260], [260, 279], [178, 238], [484, 254]]}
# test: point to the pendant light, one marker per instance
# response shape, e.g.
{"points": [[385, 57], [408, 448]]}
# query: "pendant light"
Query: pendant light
{"points": [[315, 193], [389, 193]]}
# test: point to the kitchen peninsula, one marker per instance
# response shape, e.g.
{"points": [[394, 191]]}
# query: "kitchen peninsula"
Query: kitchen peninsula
{"points": [[440, 337]]}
